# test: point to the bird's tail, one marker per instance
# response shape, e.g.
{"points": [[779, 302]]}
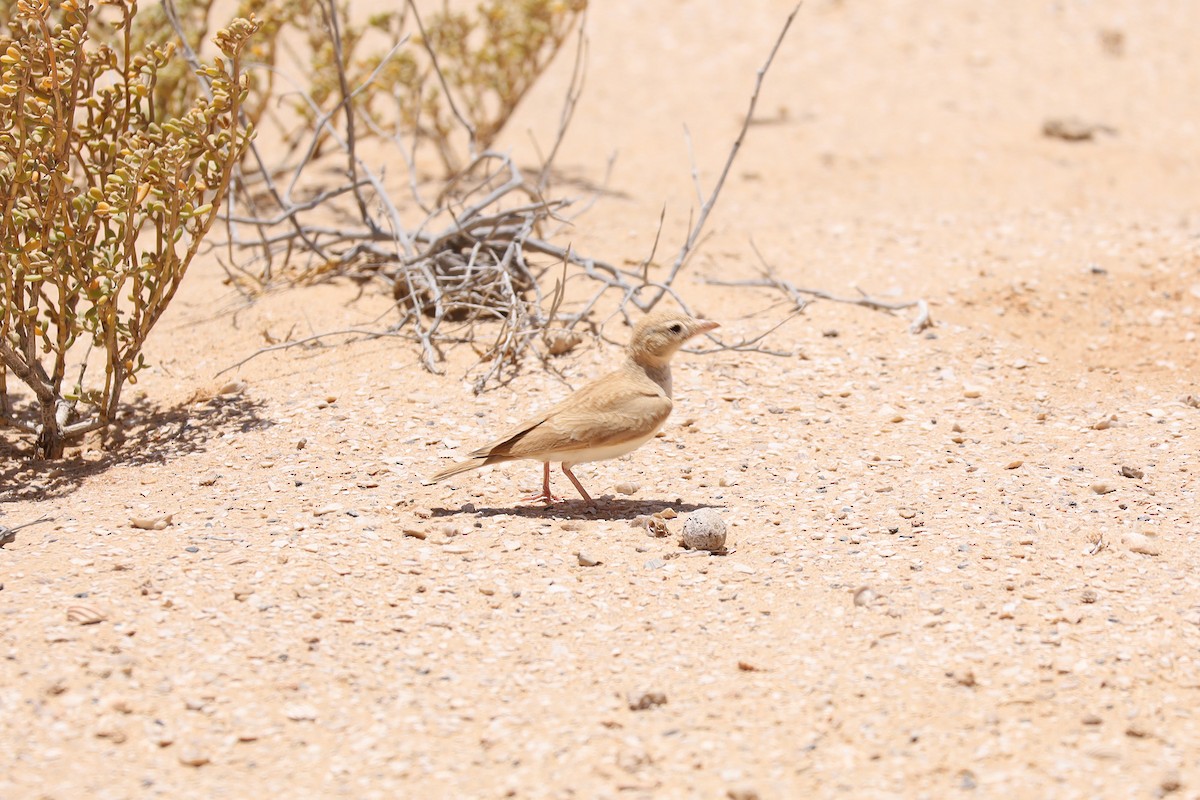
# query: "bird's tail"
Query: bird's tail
{"points": [[460, 467]]}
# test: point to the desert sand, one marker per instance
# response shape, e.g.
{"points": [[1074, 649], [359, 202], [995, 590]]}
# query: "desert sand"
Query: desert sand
{"points": [[959, 561]]}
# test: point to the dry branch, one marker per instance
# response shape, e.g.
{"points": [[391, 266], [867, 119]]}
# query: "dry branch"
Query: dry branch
{"points": [[480, 255], [799, 296], [693, 237]]}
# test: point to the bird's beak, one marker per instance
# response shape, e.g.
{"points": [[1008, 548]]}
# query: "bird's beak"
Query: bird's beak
{"points": [[704, 326]]}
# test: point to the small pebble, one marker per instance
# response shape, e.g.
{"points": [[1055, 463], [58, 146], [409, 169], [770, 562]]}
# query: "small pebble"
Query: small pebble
{"points": [[704, 530], [864, 596], [645, 700], [300, 712], [1171, 782], [742, 793], [192, 756], [964, 678], [160, 735], [111, 730], [85, 615], [586, 561], [625, 487], [151, 523], [1132, 472], [1013, 464], [1143, 544], [1100, 487]]}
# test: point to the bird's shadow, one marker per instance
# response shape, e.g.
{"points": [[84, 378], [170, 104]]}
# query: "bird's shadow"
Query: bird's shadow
{"points": [[606, 508]]}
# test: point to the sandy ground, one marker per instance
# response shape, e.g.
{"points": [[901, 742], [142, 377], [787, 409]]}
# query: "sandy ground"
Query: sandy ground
{"points": [[939, 582]]}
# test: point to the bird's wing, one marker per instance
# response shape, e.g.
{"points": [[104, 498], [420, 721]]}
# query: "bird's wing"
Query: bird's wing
{"points": [[605, 413]]}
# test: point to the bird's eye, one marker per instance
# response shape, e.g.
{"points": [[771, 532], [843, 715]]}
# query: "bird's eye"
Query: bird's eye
{"points": [[676, 328]]}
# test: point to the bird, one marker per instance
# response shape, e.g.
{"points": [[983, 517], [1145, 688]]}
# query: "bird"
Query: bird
{"points": [[609, 417]]}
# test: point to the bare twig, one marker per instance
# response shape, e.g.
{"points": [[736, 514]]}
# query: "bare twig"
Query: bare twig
{"points": [[749, 345], [799, 296], [467, 126], [330, 11], [662, 216], [694, 231], [574, 92], [691, 149], [795, 293], [239, 178], [9, 534], [364, 332]]}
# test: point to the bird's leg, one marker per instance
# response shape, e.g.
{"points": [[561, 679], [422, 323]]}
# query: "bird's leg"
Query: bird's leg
{"points": [[546, 496], [566, 468]]}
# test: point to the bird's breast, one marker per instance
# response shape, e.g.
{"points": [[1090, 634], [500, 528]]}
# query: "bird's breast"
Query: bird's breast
{"points": [[662, 377]]}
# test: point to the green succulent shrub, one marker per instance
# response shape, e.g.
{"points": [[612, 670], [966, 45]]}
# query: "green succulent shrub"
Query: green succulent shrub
{"points": [[489, 56], [103, 203], [489, 59]]}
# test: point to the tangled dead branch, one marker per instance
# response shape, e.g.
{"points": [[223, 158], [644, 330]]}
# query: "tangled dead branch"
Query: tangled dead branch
{"points": [[480, 253]]}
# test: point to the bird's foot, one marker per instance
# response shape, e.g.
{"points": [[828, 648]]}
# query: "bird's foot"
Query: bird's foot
{"points": [[542, 497]]}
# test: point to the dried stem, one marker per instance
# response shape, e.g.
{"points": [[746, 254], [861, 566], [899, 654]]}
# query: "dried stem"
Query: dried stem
{"points": [[467, 126], [799, 296], [694, 231]]}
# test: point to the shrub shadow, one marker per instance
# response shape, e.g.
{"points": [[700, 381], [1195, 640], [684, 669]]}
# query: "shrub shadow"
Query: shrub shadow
{"points": [[154, 435]]}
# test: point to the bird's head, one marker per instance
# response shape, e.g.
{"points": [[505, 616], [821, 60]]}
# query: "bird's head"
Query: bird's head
{"points": [[659, 335]]}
